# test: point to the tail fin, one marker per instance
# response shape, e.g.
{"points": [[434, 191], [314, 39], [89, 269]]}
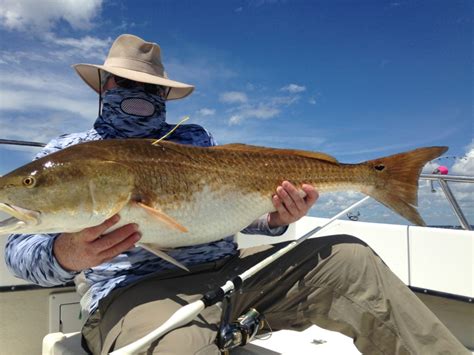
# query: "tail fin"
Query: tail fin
{"points": [[397, 177]]}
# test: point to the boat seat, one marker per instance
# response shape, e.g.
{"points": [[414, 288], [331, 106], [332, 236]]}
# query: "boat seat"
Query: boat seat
{"points": [[63, 344]]}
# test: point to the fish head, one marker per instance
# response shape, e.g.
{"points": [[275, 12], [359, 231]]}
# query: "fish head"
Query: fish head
{"points": [[55, 195]]}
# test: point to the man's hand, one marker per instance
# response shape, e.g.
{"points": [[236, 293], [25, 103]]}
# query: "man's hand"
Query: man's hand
{"points": [[90, 247], [291, 204]]}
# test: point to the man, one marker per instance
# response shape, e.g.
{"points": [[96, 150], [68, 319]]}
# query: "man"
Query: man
{"points": [[336, 282]]}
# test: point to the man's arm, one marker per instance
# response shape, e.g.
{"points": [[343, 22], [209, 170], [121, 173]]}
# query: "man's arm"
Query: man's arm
{"points": [[30, 257], [55, 259]]}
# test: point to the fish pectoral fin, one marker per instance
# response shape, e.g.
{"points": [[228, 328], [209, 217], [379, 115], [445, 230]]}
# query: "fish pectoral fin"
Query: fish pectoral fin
{"points": [[163, 217], [160, 253]]}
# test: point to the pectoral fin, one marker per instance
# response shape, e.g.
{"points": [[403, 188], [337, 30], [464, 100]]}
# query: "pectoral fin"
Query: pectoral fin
{"points": [[163, 217], [160, 253]]}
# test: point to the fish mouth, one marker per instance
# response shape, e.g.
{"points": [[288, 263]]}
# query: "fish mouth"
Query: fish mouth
{"points": [[20, 218]]}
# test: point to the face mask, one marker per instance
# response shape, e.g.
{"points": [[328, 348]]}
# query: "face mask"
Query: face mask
{"points": [[128, 113]]}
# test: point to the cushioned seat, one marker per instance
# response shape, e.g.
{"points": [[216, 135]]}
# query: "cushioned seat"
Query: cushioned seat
{"points": [[63, 344]]}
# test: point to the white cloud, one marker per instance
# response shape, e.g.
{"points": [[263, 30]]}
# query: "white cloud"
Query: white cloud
{"points": [[53, 49], [18, 57], [43, 81], [232, 97], [434, 202], [433, 207], [44, 93], [38, 15], [465, 165], [196, 69], [293, 88], [24, 101], [283, 100], [206, 112], [41, 129], [430, 167], [260, 111], [464, 192], [312, 101], [333, 202], [265, 108], [85, 47], [127, 27]]}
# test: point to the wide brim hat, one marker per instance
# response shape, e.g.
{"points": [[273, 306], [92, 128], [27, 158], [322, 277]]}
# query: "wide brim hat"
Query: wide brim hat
{"points": [[132, 58]]}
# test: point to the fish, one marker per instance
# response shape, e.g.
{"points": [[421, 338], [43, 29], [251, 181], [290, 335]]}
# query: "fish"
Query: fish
{"points": [[182, 195]]}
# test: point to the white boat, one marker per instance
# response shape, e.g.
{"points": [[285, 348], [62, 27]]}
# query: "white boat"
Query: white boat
{"points": [[436, 263]]}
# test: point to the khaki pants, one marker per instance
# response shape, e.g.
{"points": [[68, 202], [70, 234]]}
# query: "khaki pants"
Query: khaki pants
{"points": [[335, 282]]}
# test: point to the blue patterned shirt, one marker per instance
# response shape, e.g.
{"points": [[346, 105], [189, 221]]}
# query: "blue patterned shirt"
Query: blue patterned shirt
{"points": [[30, 256]]}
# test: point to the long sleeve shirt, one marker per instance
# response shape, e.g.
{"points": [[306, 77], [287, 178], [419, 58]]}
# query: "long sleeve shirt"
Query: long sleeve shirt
{"points": [[31, 257]]}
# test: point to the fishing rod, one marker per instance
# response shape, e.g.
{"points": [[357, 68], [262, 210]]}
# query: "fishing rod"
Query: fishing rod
{"points": [[187, 313], [17, 142]]}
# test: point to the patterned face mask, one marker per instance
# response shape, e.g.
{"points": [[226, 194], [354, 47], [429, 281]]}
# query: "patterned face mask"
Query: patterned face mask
{"points": [[130, 112]]}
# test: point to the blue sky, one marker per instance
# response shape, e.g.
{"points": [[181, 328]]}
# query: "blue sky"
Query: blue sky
{"points": [[354, 79]]}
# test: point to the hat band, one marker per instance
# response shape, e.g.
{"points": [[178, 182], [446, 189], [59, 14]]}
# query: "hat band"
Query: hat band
{"points": [[136, 65]]}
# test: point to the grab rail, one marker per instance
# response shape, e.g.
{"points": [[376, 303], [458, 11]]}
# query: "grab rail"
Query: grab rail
{"points": [[443, 182]]}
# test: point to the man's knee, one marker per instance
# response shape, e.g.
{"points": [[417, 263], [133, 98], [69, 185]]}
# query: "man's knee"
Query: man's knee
{"points": [[347, 247], [344, 259], [353, 252]]}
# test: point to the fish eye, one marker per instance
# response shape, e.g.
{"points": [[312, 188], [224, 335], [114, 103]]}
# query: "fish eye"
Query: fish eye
{"points": [[29, 181]]}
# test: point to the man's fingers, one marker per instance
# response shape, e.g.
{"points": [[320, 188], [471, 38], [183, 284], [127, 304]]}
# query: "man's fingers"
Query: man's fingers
{"points": [[84, 249], [291, 203], [286, 200], [282, 211], [110, 240], [295, 196], [119, 248], [312, 194], [93, 233]]}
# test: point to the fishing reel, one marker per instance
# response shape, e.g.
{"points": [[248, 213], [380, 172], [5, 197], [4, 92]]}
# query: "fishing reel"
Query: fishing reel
{"points": [[240, 332]]}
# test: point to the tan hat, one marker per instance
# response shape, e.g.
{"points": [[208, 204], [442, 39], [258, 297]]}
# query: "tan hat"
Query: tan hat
{"points": [[132, 58]]}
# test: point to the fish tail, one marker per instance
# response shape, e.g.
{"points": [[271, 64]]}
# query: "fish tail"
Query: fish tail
{"points": [[396, 183]]}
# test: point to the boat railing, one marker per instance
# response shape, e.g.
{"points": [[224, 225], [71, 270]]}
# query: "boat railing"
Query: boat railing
{"points": [[441, 179], [443, 182]]}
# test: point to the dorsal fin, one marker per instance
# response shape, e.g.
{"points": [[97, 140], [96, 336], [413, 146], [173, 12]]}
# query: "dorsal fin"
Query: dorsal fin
{"points": [[302, 153]]}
